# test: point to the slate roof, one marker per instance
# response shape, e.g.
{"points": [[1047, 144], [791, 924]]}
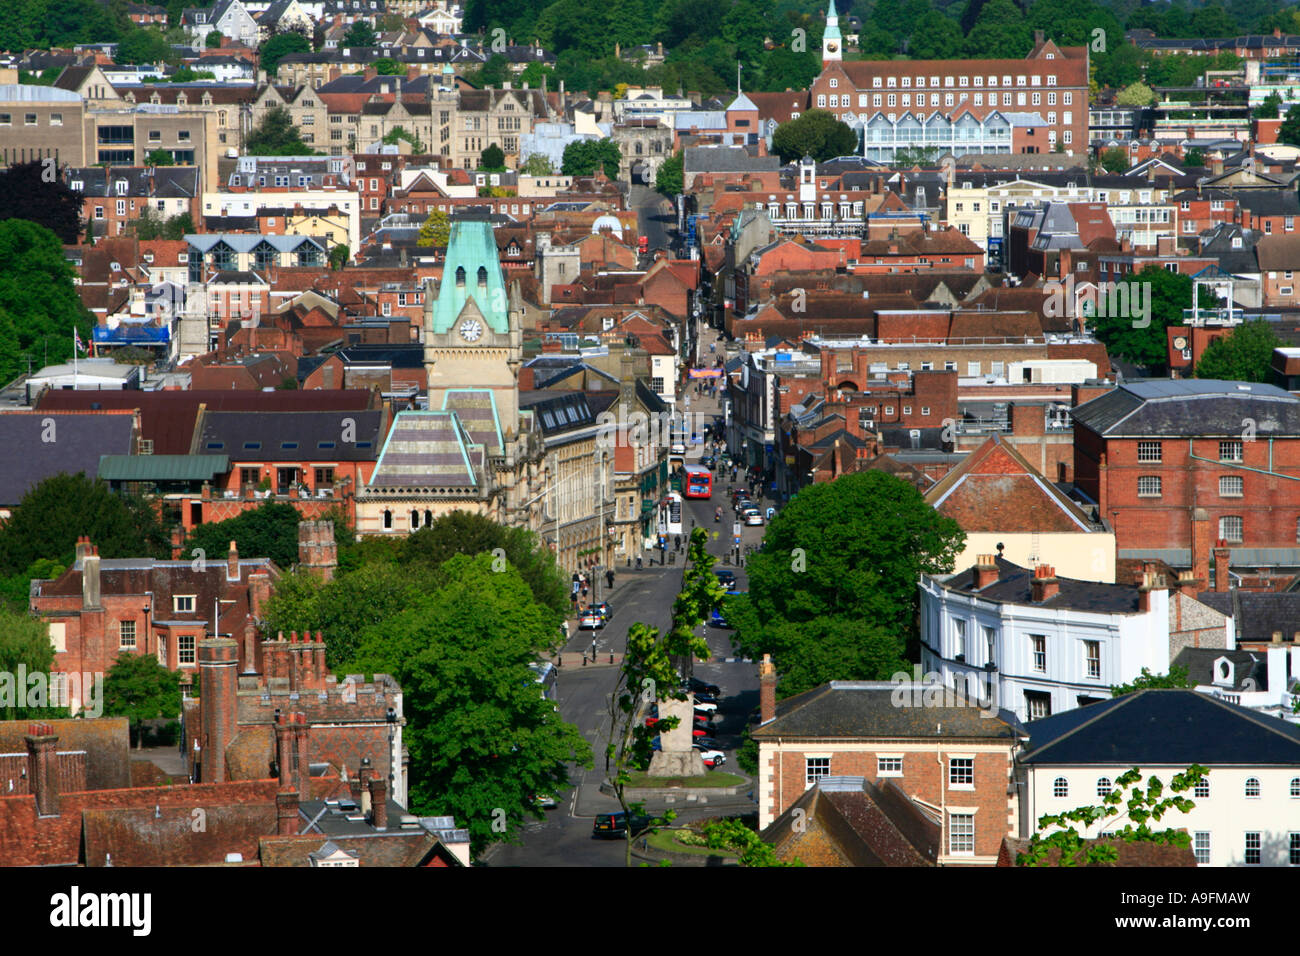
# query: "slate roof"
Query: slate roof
{"points": [[1246, 665], [727, 159], [558, 412], [1179, 408], [80, 439], [1257, 615], [425, 449], [1014, 586], [476, 408], [1162, 728], [867, 709], [288, 436]]}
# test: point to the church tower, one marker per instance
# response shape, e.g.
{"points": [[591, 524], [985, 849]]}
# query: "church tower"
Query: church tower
{"points": [[472, 330], [832, 42]]}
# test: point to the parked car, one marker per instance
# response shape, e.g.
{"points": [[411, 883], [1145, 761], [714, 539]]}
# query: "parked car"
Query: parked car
{"points": [[726, 578], [544, 800], [705, 708], [700, 687], [716, 618], [591, 621], [708, 743], [752, 516], [616, 824], [711, 756]]}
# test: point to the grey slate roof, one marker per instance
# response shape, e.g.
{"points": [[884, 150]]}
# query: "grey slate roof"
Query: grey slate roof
{"points": [[80, 440], [426, 450], [870, 709], [1257, 615], [1162, 728], [1014, 586], [290, 436], [1181, 408], [1246, 665]]}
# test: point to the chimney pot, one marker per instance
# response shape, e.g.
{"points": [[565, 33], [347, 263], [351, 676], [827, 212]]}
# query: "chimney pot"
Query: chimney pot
{"points": [[767, 688]]}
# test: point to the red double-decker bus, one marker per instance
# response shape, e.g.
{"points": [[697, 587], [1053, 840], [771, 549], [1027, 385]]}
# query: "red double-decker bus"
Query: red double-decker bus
{"points": [[699, 482]]}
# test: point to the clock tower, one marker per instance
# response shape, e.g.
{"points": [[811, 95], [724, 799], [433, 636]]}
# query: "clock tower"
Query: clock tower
{"points": [[472, 335], [832, 42]]}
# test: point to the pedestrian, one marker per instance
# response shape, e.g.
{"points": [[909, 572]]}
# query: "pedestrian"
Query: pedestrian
{"points": [[638, 562], [584, 592], [677, 542], [566, 630], [609, 578]]}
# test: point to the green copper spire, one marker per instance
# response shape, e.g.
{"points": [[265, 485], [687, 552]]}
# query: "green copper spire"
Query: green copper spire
{"points": [[472, 272], [832, 23]]}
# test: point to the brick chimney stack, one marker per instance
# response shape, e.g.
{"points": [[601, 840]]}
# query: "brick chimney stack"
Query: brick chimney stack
{"points": [[1147, 582], [364, 776], [317, 552], [301, 733], [232, 563], [767, 688], [286, 813], [284, 751], [1221, 566], [1045, 585], [378, 802], [259, 592], [986, 571], [42, 768], [219, 670], [90, 597], [1201, 545], [1189, 585]]}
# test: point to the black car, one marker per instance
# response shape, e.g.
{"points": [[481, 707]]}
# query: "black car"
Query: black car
{"points": [[616, 824], [726, 578], [708, 743], [700, 686]]}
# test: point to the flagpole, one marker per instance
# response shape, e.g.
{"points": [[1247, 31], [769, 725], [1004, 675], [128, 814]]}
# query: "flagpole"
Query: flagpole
{"points": [[74, 358]]}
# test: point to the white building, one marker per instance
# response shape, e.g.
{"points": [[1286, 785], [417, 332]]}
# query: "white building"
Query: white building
{"points": [[1247, 810], [1046, 644]]}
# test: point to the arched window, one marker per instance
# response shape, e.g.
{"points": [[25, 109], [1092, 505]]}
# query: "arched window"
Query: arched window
{"points": [[639, 149], [482, 275], [428, 517], [388, 519], [415, 520], [1060, 788], [1295, 788], [1252, 787], [1103, 787], [460, 275]]}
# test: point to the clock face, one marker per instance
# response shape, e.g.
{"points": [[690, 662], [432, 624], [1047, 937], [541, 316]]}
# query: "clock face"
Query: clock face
{"points": [[1180, 342], [832, 46], [470, 330]]}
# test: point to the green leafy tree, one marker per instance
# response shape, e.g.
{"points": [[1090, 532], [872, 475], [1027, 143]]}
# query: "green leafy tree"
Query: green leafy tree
{"points": [[360, 33], [734, 836], [538, 164], [652, 669], [401, 133], [1120, 65], [492, 159], [279, 46], [936, 37], [1139, 805], [214, 39], [58, 510], [1000, 30], [1177, 677], [784, 69], [832, 594], [139, 688], [669, 178], [339, 255], [1115, 160], [584, 157], [1270, 108], [25, 642], [435, 231], [147, 45], [15, 590], [495, 71], [462, 532], [483, 740], [387, 66], [34, 191], [1194, 156], [39, 305], [1289, 131], [816, 133], [1140, 338], [1243, 355], [276, 135], [159, 157], [270, 531], [1136, 94]]}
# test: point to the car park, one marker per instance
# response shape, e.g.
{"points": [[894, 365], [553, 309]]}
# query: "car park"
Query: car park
{"points": [[702, 687]]}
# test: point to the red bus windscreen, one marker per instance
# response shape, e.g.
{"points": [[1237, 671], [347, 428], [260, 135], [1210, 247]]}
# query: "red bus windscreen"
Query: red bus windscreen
{"points": [[699, 482]]}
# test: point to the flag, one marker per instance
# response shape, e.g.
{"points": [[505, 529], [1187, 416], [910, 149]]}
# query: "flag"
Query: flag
{"points": [[76, 339]]}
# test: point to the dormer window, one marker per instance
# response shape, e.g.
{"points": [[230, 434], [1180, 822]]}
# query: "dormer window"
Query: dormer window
{"points": [[121, 187], [78, 185]]}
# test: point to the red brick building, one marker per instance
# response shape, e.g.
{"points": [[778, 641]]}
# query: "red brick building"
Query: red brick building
{"points": [[955, 763], [1152, 454]]}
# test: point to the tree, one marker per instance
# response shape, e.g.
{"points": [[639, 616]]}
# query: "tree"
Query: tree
{"points": [[1115, 160], [279, 46], [783, 69], [339, 255], [435, 231], [1270, 107], [147, 45], [25, 643], [1177, 677], [401, 133], [1136, 94], [214, 39], [495, 71], [936, 37], [58, 510], [1194, 156], [735, 837], [39, 305], [270, 531], [139, 688], [361, 33], [159, 157], [1243, 355], [492, 159], [1141, 805], [1138, 309], [583, 157], [483, 740], [538, 164], [34, 191], [652, 670], [276, 135], [670, 177], [461, 532], [387, 66], [816, 133], [1289, 131], [833, 592], [1000, 30]]}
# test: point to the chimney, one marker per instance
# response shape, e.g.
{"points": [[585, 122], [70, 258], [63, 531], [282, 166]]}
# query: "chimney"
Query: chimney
{"points": [[317, 552], [1045, 585], [1188, 585], [83, 547], [42, 768], [767, 689], [365, 776], [1201, 546], [1038, 37], [284, 751], [379, 802], [232, 563], [90, 579], [300, 734], [218, 669], [986, 571], [1221, 566], [1027, 419], [286, 813], [259, 592]]}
